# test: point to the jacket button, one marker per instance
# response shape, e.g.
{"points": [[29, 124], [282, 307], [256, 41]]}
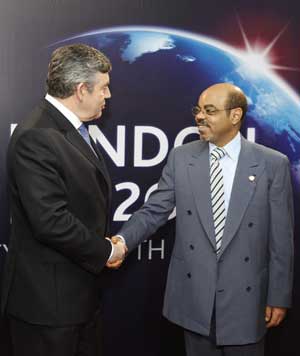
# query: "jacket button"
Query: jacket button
{"points": [[221, 290], [189, 275], [247, 259], [191, 247], [250, 224], [248, 289], [189, 212]]}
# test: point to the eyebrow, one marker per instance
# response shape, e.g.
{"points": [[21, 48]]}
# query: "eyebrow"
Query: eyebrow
{"points": [[209, 106], [106, 84]]}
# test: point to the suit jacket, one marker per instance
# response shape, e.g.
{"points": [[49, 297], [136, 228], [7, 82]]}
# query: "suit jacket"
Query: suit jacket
{"points": [[255, 264], [60, 196]]}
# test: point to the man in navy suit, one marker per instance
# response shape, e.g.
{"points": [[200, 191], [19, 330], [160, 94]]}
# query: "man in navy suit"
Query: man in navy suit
{"points": [[60, 194]]}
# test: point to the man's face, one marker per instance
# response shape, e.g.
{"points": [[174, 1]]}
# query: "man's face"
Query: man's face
{"points": [[94, 102], [214, 123]]}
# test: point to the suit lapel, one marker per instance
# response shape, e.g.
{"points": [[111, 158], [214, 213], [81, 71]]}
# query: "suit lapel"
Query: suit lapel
{"points": [[77, 141], [104, 170], [198, 170], [74, 137], [242, 191]]}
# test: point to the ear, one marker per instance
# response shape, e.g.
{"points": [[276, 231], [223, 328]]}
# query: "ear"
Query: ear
{"points": [[236, 116], [80, 91]]}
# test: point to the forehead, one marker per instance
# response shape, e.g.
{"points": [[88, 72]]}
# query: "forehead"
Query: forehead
{"points": [[213, 97]]}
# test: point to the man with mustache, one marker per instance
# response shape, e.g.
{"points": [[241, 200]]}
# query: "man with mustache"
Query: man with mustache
{"points": [[60, 194], [231, 269]]}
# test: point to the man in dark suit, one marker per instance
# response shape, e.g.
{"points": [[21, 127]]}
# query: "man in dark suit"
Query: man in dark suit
{"points": [[60, 194], [231, 269]]}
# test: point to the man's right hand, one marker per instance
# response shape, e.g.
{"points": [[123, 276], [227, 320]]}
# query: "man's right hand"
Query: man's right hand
{"points": [[119, 252]]}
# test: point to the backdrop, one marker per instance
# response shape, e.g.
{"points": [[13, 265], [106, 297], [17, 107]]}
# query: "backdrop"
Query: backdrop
{"points": [[164, 53]]}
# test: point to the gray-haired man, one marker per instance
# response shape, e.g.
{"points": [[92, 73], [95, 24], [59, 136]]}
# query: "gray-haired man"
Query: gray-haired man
{"points": [[60, 194]]}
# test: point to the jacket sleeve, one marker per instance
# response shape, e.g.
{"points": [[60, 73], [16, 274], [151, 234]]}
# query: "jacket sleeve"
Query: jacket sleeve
{"points": [[155, 212], [281, 238], [43, 195]]}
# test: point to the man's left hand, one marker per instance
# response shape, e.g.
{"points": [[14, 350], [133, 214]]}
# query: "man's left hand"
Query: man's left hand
{"points": [[274, 316]]}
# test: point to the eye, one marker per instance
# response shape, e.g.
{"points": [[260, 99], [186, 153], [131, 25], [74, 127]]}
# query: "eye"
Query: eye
{"points": [[211, 111]]}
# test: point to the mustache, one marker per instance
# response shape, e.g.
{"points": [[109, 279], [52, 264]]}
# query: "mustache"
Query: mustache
{"points": [[202, 122]]}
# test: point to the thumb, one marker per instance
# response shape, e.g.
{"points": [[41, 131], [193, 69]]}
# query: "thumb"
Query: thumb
{"points": [[268, 314], [115, 239]]}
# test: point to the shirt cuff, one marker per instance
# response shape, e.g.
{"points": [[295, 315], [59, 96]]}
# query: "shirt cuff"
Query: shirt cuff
{"points": [[112, 249]]}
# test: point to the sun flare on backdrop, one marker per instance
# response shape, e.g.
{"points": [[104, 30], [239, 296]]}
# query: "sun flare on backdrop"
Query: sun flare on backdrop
{"points": [[259, 57]]}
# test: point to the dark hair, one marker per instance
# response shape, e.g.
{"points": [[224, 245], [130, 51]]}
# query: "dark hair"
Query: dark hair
{"points": [[74, 64], [237, 99]]}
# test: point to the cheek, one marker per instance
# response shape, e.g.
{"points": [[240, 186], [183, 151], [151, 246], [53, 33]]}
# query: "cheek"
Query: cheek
{"points": [[218, 126]]}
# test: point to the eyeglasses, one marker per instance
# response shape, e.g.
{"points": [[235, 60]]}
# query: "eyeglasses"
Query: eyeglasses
{"points": [[196, 110]]}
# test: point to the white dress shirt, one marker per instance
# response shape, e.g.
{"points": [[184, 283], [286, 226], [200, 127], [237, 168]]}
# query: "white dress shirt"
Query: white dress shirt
{"points": [[68, 114], [228, 164], [74, 120]]}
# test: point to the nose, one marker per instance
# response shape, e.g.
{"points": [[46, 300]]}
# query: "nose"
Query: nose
{"points": [[200, 116], [107, 93]]}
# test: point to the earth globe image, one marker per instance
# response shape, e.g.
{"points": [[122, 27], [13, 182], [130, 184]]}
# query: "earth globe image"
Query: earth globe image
{"points": [[158, 74]]}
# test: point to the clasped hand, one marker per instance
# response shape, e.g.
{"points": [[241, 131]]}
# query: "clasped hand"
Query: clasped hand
{"points": [[119, 252]]}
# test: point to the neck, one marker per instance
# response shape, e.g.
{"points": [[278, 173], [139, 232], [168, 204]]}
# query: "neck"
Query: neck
{"points": [[70, 103], [225, 140]]}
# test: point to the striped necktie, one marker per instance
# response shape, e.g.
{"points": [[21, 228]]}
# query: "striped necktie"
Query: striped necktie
{"points": [[217, 195]]}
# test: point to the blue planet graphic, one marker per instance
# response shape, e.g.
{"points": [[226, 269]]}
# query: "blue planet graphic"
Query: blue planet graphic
{"points": [[158, 74]]}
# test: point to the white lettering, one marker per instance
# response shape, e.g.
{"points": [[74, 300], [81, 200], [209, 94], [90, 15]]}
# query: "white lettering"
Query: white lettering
{"points": [[139, 131], [161, 249], [118, 154], [152, 249], [184, 133], [135, 193]]}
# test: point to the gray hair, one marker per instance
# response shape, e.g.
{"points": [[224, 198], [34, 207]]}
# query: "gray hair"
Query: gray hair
{"points": [[74, 64]]}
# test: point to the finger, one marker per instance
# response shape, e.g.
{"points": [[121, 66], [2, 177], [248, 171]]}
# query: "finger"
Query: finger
{"points": [[114, 265], [272, 322], [279, 315], [115, 239], [268, 314], [115, 262]]}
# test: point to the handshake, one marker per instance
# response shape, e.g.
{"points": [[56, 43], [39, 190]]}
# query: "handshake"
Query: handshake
{"points": [[119, 251]]}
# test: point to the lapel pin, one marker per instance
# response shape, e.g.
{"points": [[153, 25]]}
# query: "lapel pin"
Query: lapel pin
{"points": [[251, 178]]}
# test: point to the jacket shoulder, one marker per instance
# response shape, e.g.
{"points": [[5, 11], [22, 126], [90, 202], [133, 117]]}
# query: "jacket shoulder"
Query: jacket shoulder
{"points": [[267, 153], [193, 147]]}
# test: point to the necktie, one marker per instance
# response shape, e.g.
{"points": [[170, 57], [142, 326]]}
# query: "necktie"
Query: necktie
{"points": [[85, 134], [217, 195]]}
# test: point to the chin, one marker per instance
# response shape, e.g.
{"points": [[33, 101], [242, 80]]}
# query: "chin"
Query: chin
{"points": [[204, 138], [97, 116]]}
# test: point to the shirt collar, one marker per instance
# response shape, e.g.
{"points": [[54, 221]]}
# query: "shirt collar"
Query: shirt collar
{"points": [[74, 120], [232, 148]]}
